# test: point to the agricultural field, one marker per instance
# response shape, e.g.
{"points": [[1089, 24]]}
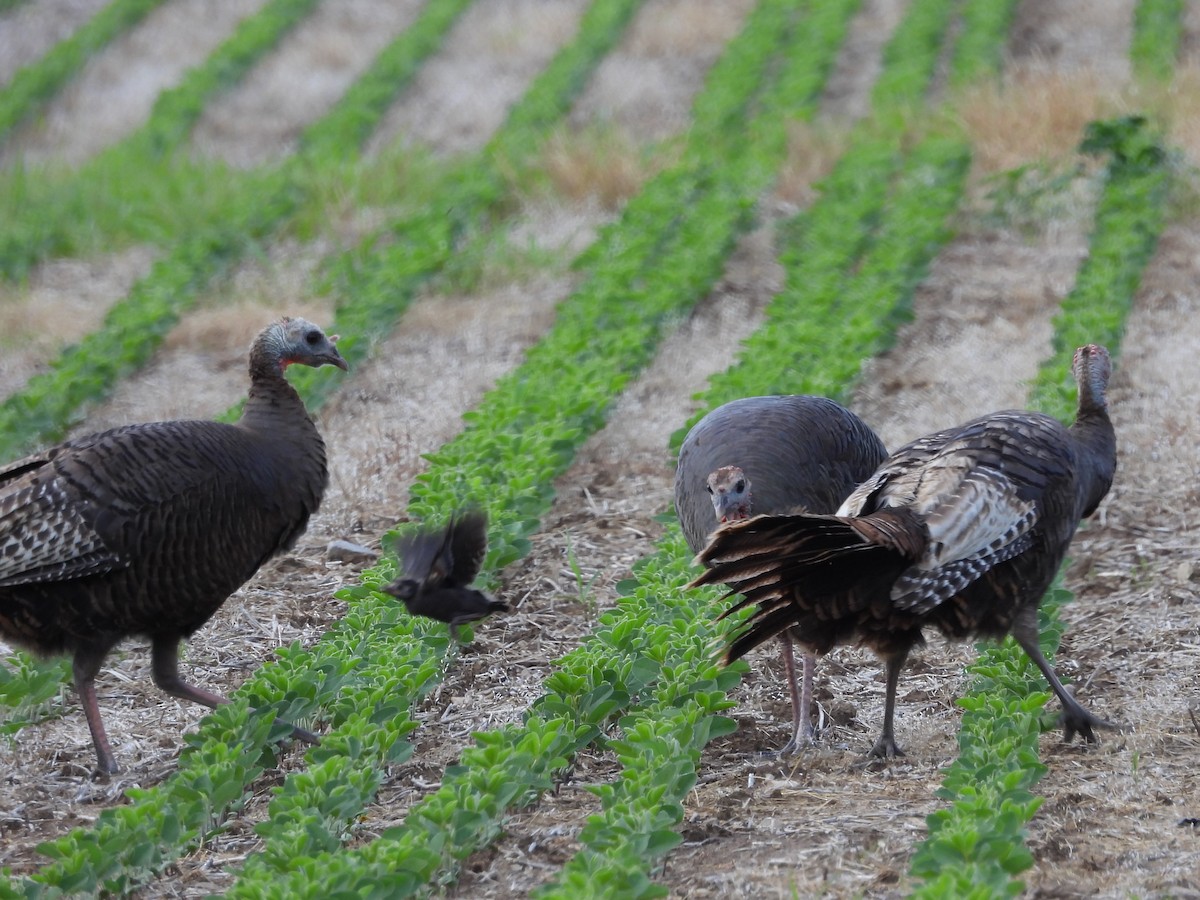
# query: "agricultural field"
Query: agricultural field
{"points": [[552, 233]]}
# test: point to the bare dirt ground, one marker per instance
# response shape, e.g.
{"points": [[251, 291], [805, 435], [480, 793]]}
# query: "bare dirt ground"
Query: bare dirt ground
{"points": [[62, 301], [29, 30], [118, 86], [823, 823], [462, 93], [263, 117]]}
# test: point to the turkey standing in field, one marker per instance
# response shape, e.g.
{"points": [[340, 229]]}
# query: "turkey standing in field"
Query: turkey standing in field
{"points": [[439, 566], [963, 530], [799, 454], [147, 529]]}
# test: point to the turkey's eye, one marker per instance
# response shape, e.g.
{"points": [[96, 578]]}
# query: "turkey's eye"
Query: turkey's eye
{"points": [[708, 487], [313, 337], [740, 486]]}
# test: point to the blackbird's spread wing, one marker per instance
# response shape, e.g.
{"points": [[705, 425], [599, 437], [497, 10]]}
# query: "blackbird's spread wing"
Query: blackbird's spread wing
{"points": [[468, 546], [424, 556]]}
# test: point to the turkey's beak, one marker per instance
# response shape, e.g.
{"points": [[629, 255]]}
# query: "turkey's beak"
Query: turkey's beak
{"points": [[334, 358], [721, 505]]}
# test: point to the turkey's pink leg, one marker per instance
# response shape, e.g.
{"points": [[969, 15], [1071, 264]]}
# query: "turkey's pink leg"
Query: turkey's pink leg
{"points": [[802, 730], [84, 667]]}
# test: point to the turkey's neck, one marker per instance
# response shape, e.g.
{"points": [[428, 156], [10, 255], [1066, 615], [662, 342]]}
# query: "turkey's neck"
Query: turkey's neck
{"points": [[273, 406], [1097, 459]]}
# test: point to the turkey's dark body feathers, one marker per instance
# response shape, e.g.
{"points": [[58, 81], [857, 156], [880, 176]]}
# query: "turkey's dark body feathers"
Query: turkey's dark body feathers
{"points": [[182, 514], [962, 530], [797, 450], [147, 529]]}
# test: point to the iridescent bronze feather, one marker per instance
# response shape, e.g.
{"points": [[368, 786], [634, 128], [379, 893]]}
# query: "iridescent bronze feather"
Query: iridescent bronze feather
{"points": [[773, 454], [962, 530], [147, 529]]}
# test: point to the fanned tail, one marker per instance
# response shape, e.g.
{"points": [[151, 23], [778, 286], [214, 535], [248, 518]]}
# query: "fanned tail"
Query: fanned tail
{"points": [[807, 571]]}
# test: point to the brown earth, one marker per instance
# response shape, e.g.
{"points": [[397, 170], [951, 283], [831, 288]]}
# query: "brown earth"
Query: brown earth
{"points": [[261, 119], [823, 823], [30, 29], [118, 85]]}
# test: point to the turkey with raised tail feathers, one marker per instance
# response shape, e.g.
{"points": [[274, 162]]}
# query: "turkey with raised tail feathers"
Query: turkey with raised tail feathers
{"points": [[962, 530], [775, 454], [439, 566], [147, 529]]}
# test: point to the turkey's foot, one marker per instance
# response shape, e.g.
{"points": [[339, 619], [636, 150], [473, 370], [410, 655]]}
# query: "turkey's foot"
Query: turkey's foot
{"points": [[886, 748], [802, 738], [1077, 720]]}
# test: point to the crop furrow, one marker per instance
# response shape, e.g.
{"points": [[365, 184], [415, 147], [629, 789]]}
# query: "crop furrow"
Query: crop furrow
{"points": [[976, 846], [524, 434], [33, 85], [366, 698]]}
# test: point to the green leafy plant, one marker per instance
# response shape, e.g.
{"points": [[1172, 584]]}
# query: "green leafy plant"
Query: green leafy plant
{"points": [[1157, 31], [975, 846], [32, 85]]}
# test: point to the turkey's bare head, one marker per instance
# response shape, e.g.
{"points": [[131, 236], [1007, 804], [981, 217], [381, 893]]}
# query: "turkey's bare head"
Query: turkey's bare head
{"points": [[1092, 368], [293, 340], [730, 491]]}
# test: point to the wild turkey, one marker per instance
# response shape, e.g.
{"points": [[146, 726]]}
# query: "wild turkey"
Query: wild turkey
{"points": [[439, 565], [147, 529], [773, 455], [962, 530]]}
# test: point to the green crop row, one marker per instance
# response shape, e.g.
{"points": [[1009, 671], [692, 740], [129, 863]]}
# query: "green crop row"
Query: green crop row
{"points": [[825, 243], [975, 846], [379, 280], [342, 132], [31, 690], [663, 735], [127, 842], [910, 58], [506, 472], [979, 50], [177, 109], [138, 187], [1157, 33], [1128, 220], [34, 84], [365, 699]]}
